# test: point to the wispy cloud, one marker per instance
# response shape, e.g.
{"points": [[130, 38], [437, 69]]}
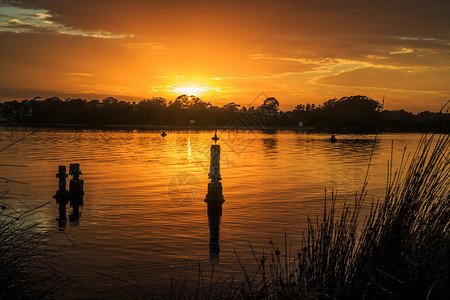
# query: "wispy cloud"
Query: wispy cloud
{"points": [[402, 51], [80, 74], [21, 20], [94, 34], [372, 56]]}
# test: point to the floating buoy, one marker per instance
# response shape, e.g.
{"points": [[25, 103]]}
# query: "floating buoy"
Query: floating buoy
{"points": [[333, 139], [163, 133]]}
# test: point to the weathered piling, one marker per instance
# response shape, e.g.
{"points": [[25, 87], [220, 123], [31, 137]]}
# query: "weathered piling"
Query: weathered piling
{"points": [[214, 169], [76, 184], [215, 186], [74, 195], [76, 192], [61, 196], [62, 175]]}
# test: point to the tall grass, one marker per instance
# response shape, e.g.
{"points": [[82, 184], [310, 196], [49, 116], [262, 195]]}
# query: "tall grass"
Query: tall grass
{"points": [[399, 250], [25, 271], [402, 250]]}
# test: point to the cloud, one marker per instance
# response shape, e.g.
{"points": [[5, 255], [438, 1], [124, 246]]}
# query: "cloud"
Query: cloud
{"points": [[428, 80], [21, 20], [79, 74]]}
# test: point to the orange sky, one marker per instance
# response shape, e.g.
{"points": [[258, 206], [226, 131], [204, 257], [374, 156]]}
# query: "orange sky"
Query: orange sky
{"points": [[297, 51]]}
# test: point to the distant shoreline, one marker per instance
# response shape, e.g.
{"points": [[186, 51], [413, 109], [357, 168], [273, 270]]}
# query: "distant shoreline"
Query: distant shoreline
{"points": [[158, 127], [308, 129], [354, 114]]}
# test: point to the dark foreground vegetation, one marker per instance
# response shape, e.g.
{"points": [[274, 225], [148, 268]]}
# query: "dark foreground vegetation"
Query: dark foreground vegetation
{"points": [[348, 114], [399, 250], [25, 268]]}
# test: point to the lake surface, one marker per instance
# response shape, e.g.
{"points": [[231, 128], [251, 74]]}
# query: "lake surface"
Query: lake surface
{"points": [[144, 219]]}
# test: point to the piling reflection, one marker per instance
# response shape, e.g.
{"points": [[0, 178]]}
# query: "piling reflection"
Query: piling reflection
{"points": [[214, 200], [354, 149], [74, 216], [270, 145], [61, 212]]}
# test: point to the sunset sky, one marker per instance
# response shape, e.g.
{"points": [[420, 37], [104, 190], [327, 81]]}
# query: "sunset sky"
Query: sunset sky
{"points": [[223, 51]]}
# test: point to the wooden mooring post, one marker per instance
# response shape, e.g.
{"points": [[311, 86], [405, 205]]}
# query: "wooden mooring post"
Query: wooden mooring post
{"points": [[74, 195], [76, 192], [61, 196], [62, 175], [76, 184], [215, 186]]}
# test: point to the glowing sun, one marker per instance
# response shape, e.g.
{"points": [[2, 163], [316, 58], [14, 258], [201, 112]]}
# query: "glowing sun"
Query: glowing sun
{"points": [[189, 90]]}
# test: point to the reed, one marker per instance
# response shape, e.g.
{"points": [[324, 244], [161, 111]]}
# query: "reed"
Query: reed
{"points": [[24, 260], [399, 251], [403, 250]]}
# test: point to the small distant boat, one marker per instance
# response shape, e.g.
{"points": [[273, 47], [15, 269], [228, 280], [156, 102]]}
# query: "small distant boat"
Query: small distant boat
{"points": [[333, 139], [163, 133]]}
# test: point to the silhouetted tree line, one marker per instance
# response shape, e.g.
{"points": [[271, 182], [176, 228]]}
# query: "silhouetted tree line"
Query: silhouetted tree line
{"points": [[348, 114]]}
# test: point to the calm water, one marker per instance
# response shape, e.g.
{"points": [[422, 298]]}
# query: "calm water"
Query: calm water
{"points": [[144, 218]]}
